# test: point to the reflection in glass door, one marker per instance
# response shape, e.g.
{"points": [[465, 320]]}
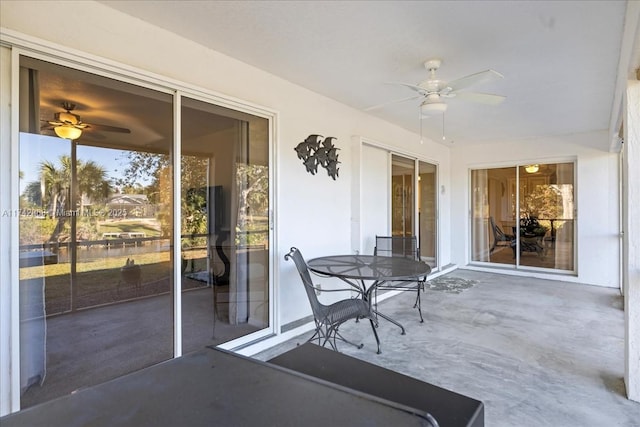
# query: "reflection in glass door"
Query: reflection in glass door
{"points": [[96, 228], [225, 227], [404, 200], [524, 216], [402, 207], [427, 213], [96, 271], [493, 213], [546, 226]]}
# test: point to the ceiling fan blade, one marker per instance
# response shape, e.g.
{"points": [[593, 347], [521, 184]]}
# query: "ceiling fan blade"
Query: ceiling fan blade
{"points": [[417, 88], [393, 102], [482, 98], [473, 79], [107, 128]]}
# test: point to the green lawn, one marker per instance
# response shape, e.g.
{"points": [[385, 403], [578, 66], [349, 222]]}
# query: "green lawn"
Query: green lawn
{"points": [[99, 281]]}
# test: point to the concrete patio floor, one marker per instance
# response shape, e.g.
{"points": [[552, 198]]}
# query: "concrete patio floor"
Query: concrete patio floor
{"points": [[535, 352]]}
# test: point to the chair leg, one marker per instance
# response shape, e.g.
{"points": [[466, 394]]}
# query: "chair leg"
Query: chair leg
{"points": [[389, 319], [317, 333], [331, 335], [326, 334], [418, 304], [375, 334], [336, 334]]}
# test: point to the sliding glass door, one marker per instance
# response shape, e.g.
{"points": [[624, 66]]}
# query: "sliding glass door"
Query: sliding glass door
{"points": [[99, 273], [402, 196], [414, 212], [96, 272], [225, 227], [428, 212], [524, 216], [493, 215]]}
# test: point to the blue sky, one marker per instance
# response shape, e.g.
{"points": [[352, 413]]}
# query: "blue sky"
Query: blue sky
{"points": [[34, 149]]}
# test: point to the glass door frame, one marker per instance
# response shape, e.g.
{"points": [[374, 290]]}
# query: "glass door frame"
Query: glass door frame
{"points": [[517, 266], [416, 208], [45, 51]]}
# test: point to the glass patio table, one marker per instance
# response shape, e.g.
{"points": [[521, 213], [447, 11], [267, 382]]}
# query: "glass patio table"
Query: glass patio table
{"points": [[357, 270]]}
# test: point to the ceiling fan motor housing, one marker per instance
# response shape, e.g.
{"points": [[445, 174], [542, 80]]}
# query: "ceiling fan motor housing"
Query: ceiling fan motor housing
{"points": [[67, 117], [432, 64]]}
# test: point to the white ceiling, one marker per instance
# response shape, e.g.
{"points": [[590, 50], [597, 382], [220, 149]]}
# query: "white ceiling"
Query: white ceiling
{"points": [[559, 59]]}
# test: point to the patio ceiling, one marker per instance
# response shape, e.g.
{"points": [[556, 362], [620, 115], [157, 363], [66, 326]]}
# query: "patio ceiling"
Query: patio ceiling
{"points": [[563, 62]]}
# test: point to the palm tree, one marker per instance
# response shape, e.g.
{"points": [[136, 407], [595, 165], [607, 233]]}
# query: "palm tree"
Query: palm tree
{"points": [[55, 182], [92, 182]]}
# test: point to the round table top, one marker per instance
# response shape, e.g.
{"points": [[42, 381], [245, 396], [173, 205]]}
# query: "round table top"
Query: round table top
{"points": [[369, 267]]}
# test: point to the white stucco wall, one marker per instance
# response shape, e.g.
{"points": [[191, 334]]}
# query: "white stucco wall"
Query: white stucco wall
{"points": [[313, 212], [597, 224], [632, 241]]}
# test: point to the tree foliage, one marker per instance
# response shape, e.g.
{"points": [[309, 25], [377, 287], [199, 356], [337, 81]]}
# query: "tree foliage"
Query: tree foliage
{"points": [[52, 191], [253, 203], [156, 171], [543, 202]]}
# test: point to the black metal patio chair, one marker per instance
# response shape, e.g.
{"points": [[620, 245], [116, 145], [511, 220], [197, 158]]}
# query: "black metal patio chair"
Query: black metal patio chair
{"points": [[402, 246], [329, 318], [499, 237]]}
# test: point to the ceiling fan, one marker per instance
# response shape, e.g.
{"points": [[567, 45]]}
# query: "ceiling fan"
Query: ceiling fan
{"points": [[68, 125], [434, 91]]}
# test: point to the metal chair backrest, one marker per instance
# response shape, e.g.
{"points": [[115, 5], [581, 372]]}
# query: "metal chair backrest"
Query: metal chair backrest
{"points": [[498, 234], [404, 246], [303, 270]]}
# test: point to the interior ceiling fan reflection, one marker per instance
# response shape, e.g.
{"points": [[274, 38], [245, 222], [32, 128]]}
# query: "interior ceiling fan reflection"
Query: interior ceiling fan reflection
{"points": [[434, 91], [69, 125]]}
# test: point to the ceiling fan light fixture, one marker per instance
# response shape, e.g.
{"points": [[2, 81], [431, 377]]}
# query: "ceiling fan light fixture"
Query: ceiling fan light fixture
{"points": [[433, 107], [532, 168], [68, 132]]}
